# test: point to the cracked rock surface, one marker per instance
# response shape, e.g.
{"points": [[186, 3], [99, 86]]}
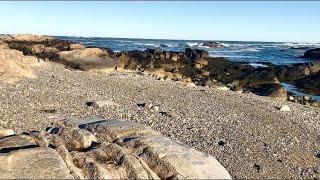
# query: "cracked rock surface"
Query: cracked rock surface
{"points": [[102, 149]]}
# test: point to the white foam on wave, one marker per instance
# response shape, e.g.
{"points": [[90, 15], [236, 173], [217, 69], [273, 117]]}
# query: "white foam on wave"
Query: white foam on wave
{"points": [[201, 46], [228, 56], [299, 44], [192, 44], [218, 44], [146, 44], [252, 49], [225, 45], [171, 45], [123, 41], [256, 65], [226, 51]]}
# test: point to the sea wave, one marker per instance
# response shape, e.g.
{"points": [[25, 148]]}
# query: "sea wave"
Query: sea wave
{"points": [[252, 49], [256, 65], [201, 45], [192, 44], [299, 44]]}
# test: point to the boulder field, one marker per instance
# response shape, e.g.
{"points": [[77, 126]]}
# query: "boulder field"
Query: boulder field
{"points": [[191, 67], [102, 149]]}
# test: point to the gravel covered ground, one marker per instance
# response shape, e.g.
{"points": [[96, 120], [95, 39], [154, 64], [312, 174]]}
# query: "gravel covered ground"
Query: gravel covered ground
{"points": [[248, 134]]}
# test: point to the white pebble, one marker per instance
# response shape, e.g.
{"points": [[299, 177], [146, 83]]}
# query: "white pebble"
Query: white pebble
{"points": [[285, 108]]}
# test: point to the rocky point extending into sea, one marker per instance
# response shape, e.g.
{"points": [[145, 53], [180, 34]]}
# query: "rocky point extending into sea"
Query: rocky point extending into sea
{"points": [[240, 114]]}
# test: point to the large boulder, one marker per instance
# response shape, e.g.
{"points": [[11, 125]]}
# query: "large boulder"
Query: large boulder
{"points": [[14, 65], [196, 53], [278, 92], [40, 48], [82, 53], [127, 61], [42, 51], [89, 59], [3, 45], [275, 91], [309, 84], [312, 54], [212, 44]]}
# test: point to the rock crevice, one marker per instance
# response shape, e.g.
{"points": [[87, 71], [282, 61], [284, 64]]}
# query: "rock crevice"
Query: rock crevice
{"points": [[103, 149]]}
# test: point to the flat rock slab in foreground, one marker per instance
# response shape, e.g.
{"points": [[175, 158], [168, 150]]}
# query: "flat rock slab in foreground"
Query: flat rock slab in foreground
{"points": [[33, 163], [104, 149]]}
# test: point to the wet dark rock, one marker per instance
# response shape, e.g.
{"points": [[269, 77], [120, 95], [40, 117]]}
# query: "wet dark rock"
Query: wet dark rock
{"points": [[196, 53], [275, 91], [309, 84], [312, 54], [154, 51], [212, 44], [164, 45], [46, 49], [197, 65], [302, 47]]}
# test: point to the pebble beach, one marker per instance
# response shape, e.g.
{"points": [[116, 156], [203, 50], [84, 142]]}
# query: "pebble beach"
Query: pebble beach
{"points": [[248, 134]]}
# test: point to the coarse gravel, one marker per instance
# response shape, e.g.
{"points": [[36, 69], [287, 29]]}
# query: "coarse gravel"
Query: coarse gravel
{"points": [[248, 134]]}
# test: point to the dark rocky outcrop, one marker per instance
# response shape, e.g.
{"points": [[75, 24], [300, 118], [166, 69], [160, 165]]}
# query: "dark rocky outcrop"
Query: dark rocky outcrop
{"points": [[189, 66], [212, 44], [312, 54], [46, 49], [310, 84]]}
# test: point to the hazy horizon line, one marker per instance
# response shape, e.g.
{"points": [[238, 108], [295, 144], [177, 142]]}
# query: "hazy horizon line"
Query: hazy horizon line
{"points": [[172, 39]]}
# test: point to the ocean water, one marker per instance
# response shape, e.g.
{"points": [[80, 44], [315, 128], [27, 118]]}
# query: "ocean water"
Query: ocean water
{"points": [[239, 51]]}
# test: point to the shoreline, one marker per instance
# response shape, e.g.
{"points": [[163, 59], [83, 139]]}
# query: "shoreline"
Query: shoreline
{"points": [[191, 65]]}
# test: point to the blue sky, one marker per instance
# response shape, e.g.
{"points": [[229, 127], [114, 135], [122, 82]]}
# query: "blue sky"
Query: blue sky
{"points": [[238, 20]]}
